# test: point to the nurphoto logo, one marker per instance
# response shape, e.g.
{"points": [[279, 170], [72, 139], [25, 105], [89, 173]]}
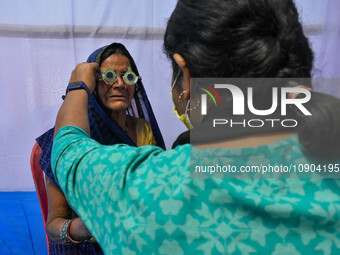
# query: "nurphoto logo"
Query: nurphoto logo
{"points": [[281, 99]]}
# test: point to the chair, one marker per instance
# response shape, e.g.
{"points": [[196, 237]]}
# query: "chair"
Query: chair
{"points": [[39, 182]]}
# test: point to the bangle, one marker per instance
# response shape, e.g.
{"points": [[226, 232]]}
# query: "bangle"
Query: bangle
{"points": [[65, 233]]}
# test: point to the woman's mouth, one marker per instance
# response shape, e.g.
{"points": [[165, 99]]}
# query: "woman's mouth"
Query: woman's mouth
{"points": [[117, 96]]}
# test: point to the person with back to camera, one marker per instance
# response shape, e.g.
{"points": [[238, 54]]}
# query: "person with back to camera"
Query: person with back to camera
{"points": [[148, 202], [119, 112]]}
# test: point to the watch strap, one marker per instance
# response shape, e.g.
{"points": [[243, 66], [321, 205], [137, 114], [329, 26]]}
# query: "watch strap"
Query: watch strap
{"points": [[77, 85]]}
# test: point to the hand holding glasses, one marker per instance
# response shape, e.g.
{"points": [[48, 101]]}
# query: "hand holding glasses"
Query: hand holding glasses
{"points": [[110, 77]]}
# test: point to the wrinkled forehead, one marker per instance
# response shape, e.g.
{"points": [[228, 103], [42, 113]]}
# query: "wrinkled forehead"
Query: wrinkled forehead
{"points": [[116, 62]]}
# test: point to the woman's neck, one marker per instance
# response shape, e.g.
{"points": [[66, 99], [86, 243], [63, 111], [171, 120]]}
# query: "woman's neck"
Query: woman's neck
{"points": [[121, 119]]}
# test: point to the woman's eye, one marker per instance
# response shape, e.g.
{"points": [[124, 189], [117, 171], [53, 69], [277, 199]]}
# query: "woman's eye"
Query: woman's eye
{"points": [[109, 75]]}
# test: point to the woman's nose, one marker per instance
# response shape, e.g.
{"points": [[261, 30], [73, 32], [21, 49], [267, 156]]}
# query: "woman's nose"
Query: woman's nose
{"points": [[119, 83]]}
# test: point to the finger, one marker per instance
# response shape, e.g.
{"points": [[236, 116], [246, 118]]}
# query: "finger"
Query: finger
{"points": [[94, 66]]}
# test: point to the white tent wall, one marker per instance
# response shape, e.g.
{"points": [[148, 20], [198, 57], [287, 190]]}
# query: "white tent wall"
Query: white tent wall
{"points": [[41, 42]]}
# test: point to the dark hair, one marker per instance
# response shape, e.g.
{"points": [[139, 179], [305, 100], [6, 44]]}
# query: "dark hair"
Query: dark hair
{"points": [[119, 49], [253, 38]]}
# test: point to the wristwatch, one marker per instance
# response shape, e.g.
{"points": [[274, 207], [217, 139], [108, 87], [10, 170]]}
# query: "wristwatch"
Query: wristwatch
{"points": [[77, 85]]}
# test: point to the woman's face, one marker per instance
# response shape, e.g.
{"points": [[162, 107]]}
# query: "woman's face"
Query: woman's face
{"points": [[115, 97]]}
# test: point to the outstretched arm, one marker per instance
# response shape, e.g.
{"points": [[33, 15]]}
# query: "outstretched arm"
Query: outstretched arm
{"points": [[73, 111]]}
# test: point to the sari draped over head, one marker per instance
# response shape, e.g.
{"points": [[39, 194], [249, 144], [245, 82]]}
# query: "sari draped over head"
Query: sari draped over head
{"points": [[104, 129]]}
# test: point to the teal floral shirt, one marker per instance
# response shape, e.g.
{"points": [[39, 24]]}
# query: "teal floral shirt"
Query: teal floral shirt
{"points": [[144, 200]]}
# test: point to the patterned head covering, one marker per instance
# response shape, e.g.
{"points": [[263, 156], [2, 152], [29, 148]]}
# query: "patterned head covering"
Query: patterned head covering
{"points": [[104, 129]]}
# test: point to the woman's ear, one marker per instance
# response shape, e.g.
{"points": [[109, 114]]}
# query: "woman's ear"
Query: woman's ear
{"points": [[182, 64]]}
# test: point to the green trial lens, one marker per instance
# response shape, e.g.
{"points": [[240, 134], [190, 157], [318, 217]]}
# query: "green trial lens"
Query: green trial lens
{"points": [[110, 77]]}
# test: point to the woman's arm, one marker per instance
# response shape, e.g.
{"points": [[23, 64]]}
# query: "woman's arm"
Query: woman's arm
{"points": [[60, 212], [73, 111]]}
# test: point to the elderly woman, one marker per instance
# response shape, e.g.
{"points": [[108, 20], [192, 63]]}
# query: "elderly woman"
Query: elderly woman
{"points": [[119, 112], [148, 202]]}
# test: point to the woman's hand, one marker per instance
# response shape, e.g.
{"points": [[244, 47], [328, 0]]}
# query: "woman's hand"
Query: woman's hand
{"points": [[85, 72], [78, 230]]}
